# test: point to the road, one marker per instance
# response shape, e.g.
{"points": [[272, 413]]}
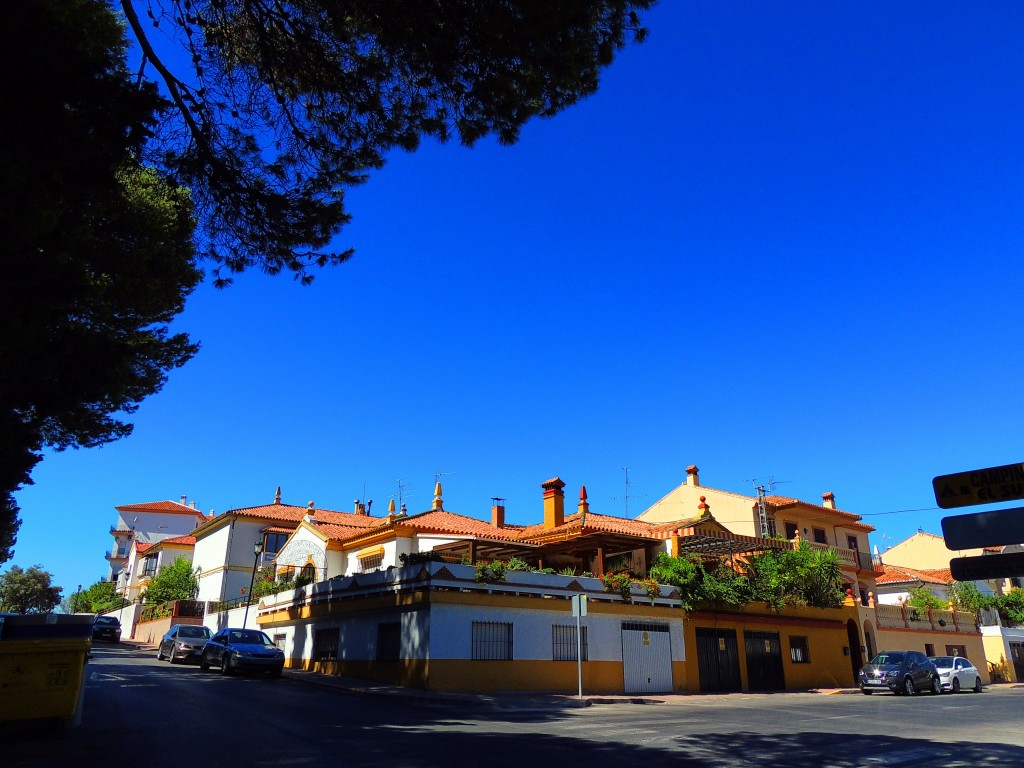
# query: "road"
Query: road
{"points": [[139, 711]]}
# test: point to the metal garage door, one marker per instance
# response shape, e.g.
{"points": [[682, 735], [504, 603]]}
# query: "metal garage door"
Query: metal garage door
{"points": [[764, 661], [718, 660], [646, 657]]}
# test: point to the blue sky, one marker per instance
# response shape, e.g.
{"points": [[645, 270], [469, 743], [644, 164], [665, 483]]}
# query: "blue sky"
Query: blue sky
{"points": [[781, 242]]}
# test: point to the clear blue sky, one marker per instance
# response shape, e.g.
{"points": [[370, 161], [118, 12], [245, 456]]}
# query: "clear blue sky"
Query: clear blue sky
{"points": [[782, 241]]}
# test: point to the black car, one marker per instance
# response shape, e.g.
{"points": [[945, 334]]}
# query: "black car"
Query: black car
{"points": [[242, 649], [902, 672], [106, 628]]}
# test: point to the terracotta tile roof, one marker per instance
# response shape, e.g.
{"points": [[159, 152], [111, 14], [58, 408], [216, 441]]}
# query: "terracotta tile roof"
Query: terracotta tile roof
{"points": [[443, 521], [339, 532], [190, 540], [595, 522], [172, 507], [899, 574], [277, 529], [287, 513], [141, 546], [787, 501]]}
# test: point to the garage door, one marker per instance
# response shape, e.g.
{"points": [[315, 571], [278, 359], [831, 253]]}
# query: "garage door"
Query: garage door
{"points": [[646, 657]]}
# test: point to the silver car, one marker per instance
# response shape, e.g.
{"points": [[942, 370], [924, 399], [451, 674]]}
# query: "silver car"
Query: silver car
{"points": [[957, 673], [183, 642]]}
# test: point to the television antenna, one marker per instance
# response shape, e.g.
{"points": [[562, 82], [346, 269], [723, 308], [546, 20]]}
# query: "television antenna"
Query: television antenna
{"points": [[762, 505], [627, 496]]}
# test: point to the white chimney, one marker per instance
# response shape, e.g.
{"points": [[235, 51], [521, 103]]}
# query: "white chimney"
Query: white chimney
{"points": [[693, 476]]}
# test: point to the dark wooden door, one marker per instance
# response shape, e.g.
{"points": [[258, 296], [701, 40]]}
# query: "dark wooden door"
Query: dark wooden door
{"points": [[718, 660], [764, 661]]}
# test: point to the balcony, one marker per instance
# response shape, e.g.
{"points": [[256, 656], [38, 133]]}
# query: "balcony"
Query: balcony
{"points": [[853, 558], [118, 531], [117, 555]]}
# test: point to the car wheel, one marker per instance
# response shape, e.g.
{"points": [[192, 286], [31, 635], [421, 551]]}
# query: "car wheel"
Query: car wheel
{"points": [[865, 691], [225, 664], [171, 657], [204, 663], [956, 685], [275, 673], [159, 653], [936, 686], [908, 687], [977, 684]]}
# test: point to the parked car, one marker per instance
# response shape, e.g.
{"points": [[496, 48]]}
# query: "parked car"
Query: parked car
{"points": [[242, 649], [902, 672], [106, 628], [183, 642], [956, 673]]}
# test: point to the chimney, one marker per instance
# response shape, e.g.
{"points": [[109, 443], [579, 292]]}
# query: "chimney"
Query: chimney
{"points": [[692, 478], [554, 502], [358, 508], [498, 512], [183, 500], [583, 507], [438, 501], [828, 500], [192, 505], [309, 517], [277, 495]]}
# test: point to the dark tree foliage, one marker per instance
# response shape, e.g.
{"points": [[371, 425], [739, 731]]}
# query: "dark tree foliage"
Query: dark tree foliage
{"points": [[282, 104], [28, 591], [97, 249]]}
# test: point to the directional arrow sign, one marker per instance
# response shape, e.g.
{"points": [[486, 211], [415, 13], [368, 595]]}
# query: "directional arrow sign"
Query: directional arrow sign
{"points": [[979, 486], [987, 566], [984, 529]]}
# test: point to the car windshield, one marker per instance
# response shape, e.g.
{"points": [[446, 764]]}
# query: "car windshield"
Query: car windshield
{"points": [[942, 661], [201, 632], [106, 620], [888, 658], [250, 637]]}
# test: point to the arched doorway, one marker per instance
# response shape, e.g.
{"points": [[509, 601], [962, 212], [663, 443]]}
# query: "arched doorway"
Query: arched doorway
{"points": [[853, 638], [869, 639]]}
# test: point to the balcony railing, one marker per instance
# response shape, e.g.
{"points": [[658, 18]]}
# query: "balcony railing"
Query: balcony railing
{"points": [[853, 558]]}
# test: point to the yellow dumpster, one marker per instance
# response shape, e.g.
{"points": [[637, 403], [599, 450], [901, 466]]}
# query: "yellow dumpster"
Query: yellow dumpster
{"points": [[41, 670]]}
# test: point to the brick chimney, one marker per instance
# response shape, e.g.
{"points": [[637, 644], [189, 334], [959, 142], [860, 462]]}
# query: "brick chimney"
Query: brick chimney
{"points": [[828, 500], [498, 512], [692, 476], [554, 502]]}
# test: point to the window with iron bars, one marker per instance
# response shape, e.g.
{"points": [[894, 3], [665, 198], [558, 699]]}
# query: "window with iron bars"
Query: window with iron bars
{"points": [[492, 640], [563, 642], [389, 641], [325, 644], [371, 562]]}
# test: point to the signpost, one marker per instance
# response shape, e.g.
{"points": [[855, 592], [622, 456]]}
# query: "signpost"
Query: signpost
{"points": [[579, 609], [979, 486], [983, 529], [987, 566]]}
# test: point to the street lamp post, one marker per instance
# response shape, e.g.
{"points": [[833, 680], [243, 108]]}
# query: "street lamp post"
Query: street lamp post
{"points": [[74, 607], [257, 550]]}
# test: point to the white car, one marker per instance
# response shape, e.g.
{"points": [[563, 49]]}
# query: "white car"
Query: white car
{"points": [[957, 673]]}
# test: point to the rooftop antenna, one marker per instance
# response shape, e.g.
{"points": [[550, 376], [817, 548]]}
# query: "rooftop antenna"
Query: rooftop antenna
{"points": [[402, 492], [766, 526], [627, 497], [438, 474]]}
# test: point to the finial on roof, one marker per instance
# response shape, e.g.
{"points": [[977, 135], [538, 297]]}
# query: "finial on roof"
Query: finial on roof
{"points": [[584, 506], [438, 501], [310, 505], [277, 496], [391, 507], [704, 507]]}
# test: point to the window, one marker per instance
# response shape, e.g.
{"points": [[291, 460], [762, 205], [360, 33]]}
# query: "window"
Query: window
{"points": [[819, 536], [325, 644], [389, 641], [1016, 581], [563, 642], [492, 640], [791, 530], [279, 641], [798, 651], [956, 650], [149, 566], [371, 562], [308, 573], [272, 542], [929, 649], [851, 543]]}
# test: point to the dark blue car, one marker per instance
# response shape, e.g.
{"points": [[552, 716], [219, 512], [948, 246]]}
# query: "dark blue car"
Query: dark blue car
{"points": [[236, 650]]}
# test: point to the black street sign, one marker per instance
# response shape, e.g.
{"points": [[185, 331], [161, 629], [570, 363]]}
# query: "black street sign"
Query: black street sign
{"points": [[979, 486], [984, 529], [987, 566]]}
